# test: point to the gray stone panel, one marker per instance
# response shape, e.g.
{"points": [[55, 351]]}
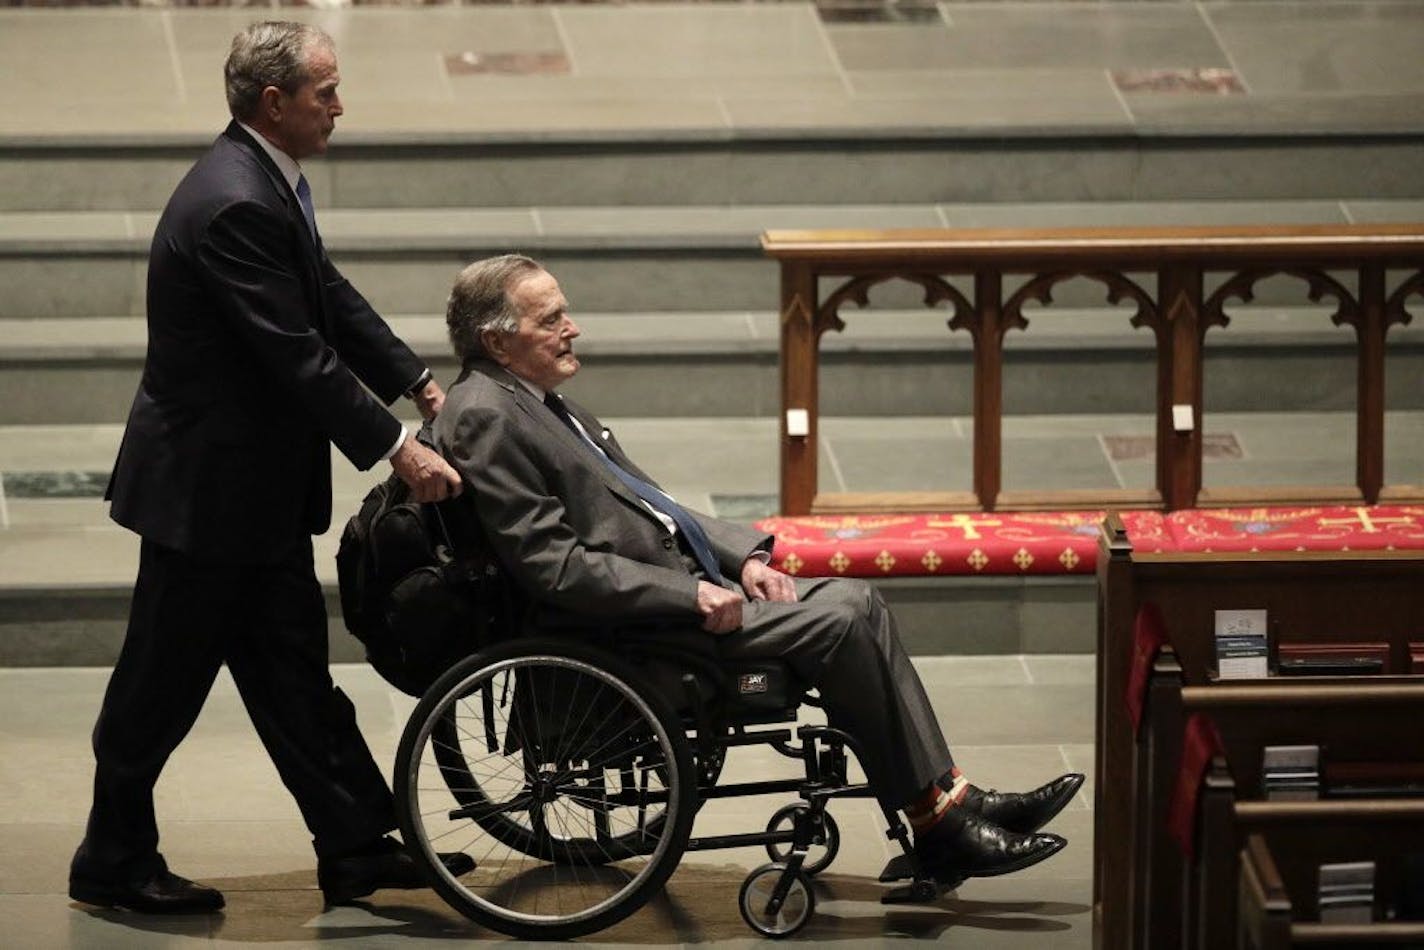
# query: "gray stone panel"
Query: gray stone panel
{"points": [[1105, 36], [67, 392], [1327, 48], [92, 179], [1256, 169], [71, 286]]}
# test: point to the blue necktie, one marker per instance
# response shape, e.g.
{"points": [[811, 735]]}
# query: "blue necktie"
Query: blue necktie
{"points": [[308, 212], [692, 531]]}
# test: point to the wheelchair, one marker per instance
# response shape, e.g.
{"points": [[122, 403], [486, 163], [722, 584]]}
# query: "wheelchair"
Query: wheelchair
{"points": [[571, 767]]}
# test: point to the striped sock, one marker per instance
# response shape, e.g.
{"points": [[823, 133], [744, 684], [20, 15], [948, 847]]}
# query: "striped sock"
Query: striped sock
{"points": [[926, 811]]}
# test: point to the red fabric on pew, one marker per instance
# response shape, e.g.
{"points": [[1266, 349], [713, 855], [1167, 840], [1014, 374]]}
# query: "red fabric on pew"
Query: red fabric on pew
{"points": [[1149, 635], [1313, 528], [1200, 742], [923, 545]]}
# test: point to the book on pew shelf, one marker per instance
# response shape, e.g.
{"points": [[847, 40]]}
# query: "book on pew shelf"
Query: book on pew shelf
{"points": [[1356, 779], [1347, 893], [1241, 647], [1332, 659], [1290, 772]]}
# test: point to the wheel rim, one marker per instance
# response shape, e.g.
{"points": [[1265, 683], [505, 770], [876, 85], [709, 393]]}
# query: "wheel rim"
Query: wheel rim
{"points": [[756, 894], [568, 816], [818, 856]]}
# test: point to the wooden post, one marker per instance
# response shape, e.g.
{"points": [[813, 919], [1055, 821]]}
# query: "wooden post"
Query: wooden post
{"points": [[1179, 382], [988, 386], [799, 371], [1117, 603], [1369, 409], [1157, 884], [1214, 916]]}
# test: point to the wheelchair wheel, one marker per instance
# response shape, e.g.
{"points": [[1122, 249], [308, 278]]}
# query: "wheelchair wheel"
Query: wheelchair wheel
{"points": [[824, 846], [567, 781], [790, 915]]}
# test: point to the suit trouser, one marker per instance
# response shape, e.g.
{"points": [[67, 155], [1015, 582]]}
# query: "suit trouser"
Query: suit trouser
{"points": [[268, 622], [841, 638]]}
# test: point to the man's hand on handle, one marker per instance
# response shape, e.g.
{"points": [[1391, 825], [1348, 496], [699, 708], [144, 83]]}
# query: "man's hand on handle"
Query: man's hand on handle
{"points": [[429, 476]]}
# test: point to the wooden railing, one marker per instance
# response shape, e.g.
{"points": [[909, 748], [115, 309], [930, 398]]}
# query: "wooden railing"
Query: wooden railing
{"points": [[1009, 268]]}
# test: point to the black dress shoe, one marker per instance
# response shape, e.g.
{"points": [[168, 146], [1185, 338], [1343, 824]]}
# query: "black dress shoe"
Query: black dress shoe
{"points": [[384, 864], [1026, 811], [964, 845], [164, 893]]}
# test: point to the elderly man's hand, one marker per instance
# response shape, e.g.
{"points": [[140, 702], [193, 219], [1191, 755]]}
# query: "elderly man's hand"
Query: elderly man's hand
{"points": [[430, 400], [429, 476], [721, 609], [763, 582]]}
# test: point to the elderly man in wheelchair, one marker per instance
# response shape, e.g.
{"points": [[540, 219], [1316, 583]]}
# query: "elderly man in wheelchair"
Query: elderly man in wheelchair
{"points": [[625, 645]]}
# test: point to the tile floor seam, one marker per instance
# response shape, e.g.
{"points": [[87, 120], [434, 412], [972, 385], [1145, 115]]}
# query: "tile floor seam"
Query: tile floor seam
{"points": [[174, 61], [1112, 462], [561, 29], [443, 72], [834, 463], [1117, 94], [846, 85], [1221, 45]]}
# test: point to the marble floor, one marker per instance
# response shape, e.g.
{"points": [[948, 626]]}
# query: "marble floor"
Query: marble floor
{"points": [[1013, 721], [745, 68]]}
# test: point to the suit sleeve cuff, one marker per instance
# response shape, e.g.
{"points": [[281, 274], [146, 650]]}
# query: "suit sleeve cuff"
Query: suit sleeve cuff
{"points": [[400, 440]]}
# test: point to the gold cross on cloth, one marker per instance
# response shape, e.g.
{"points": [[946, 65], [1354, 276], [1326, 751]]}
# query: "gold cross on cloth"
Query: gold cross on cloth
{"points": [[965, 523], [1366, 523]]}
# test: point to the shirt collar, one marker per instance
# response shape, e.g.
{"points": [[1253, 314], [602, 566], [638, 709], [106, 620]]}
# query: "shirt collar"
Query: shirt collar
{"points": [[286, 164]]}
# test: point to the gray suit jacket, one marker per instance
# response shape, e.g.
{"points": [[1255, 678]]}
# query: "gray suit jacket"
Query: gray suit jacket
{"points": [[578, 542]]}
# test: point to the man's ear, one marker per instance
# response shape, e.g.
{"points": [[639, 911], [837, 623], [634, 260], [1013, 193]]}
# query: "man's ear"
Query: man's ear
{"points": [[271, 104], [496, 345]]}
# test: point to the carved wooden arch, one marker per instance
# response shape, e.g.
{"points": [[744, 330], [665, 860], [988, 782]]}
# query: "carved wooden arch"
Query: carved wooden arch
{"points": [[1119, 288], [857, 291], [1242, 286], [1395, 311]]}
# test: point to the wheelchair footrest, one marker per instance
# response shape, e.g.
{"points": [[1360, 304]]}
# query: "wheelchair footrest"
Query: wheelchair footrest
{"points": [[901, 867], [921, 889]]}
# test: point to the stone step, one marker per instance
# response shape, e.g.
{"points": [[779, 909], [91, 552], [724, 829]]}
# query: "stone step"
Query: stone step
{"points": [[783, 163], [75, 264], [66, 620], [724, 363]]}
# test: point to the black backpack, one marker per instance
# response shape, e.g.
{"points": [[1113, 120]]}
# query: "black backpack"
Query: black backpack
{"points": [[415, 602]]}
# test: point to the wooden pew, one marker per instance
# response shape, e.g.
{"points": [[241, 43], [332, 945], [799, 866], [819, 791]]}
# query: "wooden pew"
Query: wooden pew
{"points": [[1353, 719], [1271, 919], [1318, 597]]}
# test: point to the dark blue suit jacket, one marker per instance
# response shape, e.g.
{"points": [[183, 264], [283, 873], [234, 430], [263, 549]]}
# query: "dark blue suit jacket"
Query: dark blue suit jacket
{"points": [[257, 352]]}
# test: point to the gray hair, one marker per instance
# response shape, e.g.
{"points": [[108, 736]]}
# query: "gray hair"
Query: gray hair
{"points": [[273, 53], [480, 301]]}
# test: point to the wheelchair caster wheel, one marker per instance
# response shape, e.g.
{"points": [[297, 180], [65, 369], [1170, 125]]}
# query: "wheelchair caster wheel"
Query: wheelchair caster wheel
{"points": [[824, 847], [772, 918]]}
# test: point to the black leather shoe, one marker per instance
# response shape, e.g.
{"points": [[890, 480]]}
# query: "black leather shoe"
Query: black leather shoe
{"points": [[164, 893], [384, 864], [964, 845], [1026, 811]]}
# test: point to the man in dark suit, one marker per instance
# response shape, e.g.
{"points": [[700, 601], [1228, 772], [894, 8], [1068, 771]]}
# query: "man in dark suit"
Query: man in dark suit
{"points": [[258, 351], [589, 537]]}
